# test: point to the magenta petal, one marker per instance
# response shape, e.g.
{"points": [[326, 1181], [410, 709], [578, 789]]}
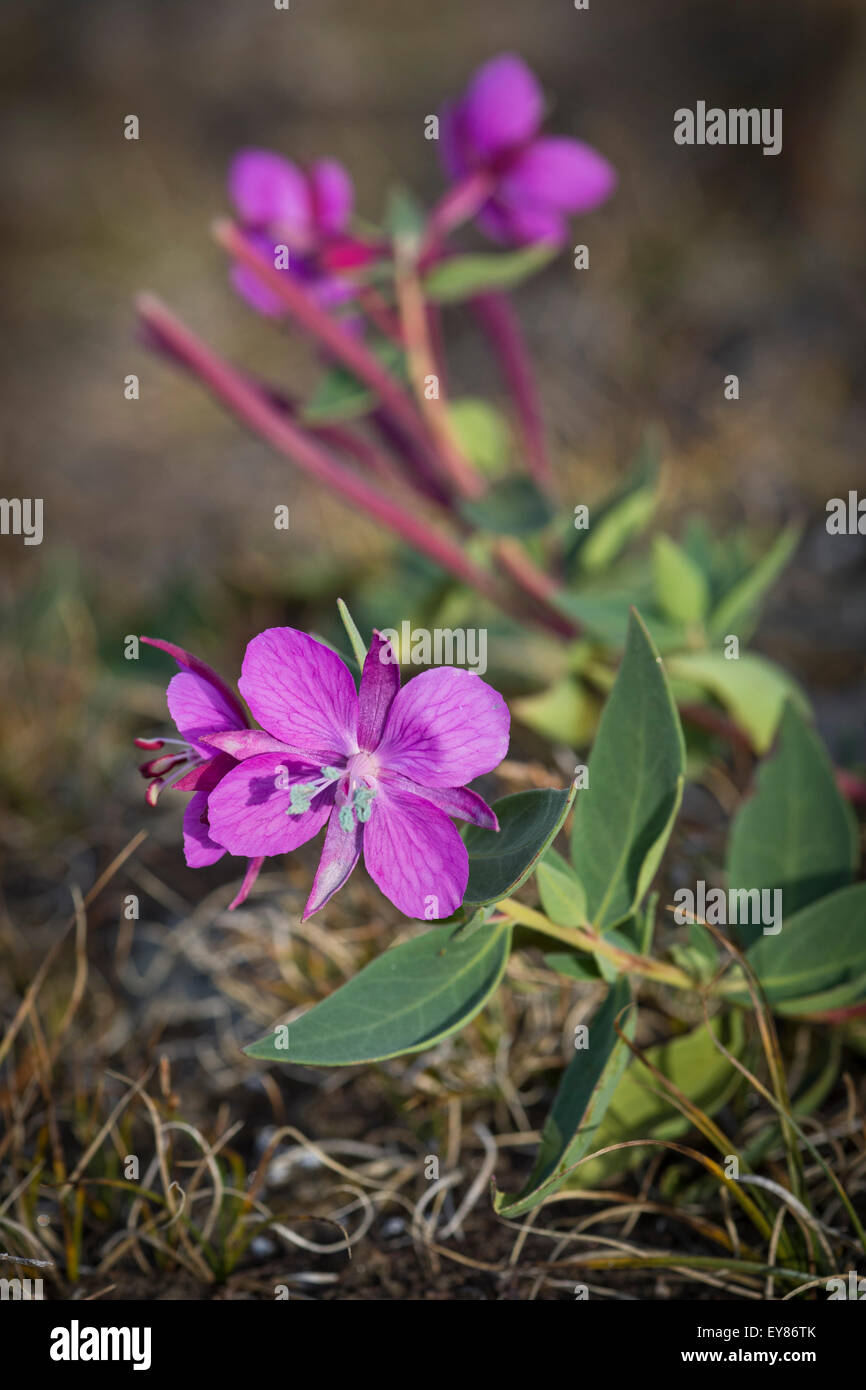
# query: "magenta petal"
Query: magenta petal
{"points": [[502, 108], [522, 226], [200, 668], [204, 776], [332, 194], [450, 144], [250, 877], [248, 743], [380, 681], [197, 707], [445, 728], [249, 286], [198, 847], [248, 811], [415, 855], [558, 173], [339, 856], [302, 693], [454, 801], [268, 191]]}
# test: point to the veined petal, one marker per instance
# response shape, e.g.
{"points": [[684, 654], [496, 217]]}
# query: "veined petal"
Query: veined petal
{"points": [[340, 854], [380, 681], [302, 693], [269, 191], [197, 707], [248, 743], [198, 847], [445, 728], [248, 811], [502, 107], [558, 173], [188, 662], [332, 196], [459, 802], [415, 855]]}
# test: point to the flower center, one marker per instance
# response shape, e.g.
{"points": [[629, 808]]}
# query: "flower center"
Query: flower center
{"points": [[354, 795]]}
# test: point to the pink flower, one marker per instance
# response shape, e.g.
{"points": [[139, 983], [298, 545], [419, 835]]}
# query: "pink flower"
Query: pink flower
{"points": [[536, 180], [200, 703], [382, 768], [280, 204]]}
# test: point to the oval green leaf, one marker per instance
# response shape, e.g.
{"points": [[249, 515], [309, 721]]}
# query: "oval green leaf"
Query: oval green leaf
{"points": [[796, 833], [819, 948], [405, 1000], [462, 277], [624, 818], [500, 861]]}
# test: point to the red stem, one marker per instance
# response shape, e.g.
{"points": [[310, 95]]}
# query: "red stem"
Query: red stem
{"points": [[503, 331], [330, 333], [250, 406]]}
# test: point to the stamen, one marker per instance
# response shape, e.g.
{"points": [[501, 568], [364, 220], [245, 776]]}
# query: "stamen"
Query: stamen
{"points": [[302, 793]]}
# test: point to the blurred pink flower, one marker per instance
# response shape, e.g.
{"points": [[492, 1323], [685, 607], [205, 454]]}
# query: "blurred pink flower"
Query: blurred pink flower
{"points": [[535, 180], [280, 204]]}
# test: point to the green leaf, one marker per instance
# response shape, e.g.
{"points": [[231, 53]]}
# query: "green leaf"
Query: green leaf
{"points": [[561, 891], [339, 394], [606, 616], [621, 515], [584, 1093], [624, 817], [577, 965], [736, 608], [513, 506], [796, 832], [567, 712], [354, 636], [826, 1000], [682, 590], [694, 1064], [750, 687], [820, 948], [499, 861], [482, 433], [407, 999], [462, 277], [405, 219]]}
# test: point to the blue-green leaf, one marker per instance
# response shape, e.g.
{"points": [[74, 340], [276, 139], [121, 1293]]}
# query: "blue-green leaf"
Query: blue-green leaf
{"points": [[500, 861], [405, 1000], [624, 817]]}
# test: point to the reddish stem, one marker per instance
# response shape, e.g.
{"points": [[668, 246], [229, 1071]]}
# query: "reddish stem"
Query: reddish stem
{"points": [[250, 406], [503, 331], [540, 587], [349, 350], [461, 202]]}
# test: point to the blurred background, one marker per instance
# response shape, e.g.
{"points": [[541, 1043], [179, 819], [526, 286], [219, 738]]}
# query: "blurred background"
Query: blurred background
{"points": [[159, 512]]}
